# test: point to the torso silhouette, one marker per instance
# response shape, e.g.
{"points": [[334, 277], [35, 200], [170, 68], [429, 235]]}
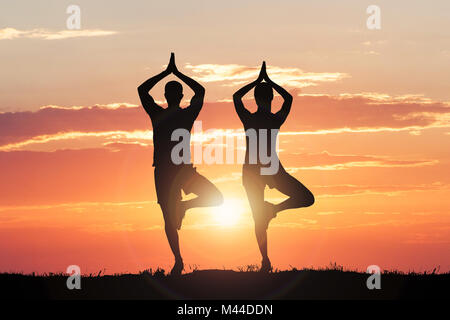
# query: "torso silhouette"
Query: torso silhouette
{"points": [[164, 122], [256, 121]]}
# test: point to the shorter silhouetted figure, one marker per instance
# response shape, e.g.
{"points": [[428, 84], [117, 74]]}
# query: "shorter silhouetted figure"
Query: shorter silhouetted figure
{"points": [[254, 182], [170, 178]]}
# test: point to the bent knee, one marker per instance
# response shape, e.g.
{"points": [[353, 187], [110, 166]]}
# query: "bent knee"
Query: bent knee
{"points": [[309, 200], [305, 200]]}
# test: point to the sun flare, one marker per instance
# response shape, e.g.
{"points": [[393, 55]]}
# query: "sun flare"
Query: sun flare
{"points": [[229, 213]]}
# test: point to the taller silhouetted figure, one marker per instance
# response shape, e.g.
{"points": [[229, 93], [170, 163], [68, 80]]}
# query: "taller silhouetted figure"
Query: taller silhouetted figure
{"points": [[171, 178], [254, 180]]}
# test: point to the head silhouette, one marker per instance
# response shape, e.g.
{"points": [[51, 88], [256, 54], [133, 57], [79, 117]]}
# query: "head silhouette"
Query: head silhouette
{"points": [[173, 91], [263, 96]]}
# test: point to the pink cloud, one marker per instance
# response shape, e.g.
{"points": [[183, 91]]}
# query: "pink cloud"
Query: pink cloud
{"points": [[318, 114]]}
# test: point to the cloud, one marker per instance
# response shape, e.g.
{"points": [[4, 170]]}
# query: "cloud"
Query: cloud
{"points": [[329, 213], [54, 122], [363, 113], [12, 33], [113, 106], [233, 74], [304, 224], [380, 98], [374, 43], [340, 190], [328, 161], [81, 206], [310, 115], [115, 136], [112, 227]]}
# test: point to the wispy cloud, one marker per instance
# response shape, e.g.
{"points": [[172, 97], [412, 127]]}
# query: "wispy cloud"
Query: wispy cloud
{"points": [[78, 205], [302, 224], [328, 161], [329, 213], [73, 135], [343, 190], [366, 164], [374, 43], [12, 33], [113, 106], [233, 74], [385, 98]]}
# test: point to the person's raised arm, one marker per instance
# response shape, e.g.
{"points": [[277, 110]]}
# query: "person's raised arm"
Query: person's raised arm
{"points": [[146, 99], [238, 95], [199, 91], [287, 97]]}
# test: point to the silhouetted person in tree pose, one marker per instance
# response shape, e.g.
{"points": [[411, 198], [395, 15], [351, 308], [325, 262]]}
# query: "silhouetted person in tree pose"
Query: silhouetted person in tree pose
{"points": [[170, 178], [255, 182]]}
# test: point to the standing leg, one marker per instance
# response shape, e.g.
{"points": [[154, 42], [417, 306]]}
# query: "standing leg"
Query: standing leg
{"points": [[169, 196], [172, 237], [255, 194]]}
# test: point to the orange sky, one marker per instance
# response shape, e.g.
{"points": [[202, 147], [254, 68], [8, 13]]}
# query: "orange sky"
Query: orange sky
{"points": [[369, 134]]}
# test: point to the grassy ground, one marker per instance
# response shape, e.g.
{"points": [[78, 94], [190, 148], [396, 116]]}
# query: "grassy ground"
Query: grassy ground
{"points": [[246, 283]]}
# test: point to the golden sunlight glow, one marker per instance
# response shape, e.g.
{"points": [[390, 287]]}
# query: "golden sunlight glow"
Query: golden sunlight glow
{"points": [[230, 212]]}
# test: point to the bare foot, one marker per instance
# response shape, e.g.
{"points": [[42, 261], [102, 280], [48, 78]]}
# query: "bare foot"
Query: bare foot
{"points": [[177, 268], [266, 266]]}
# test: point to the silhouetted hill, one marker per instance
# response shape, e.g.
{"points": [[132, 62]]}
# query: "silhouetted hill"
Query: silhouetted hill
{"points": [[227, 284]]}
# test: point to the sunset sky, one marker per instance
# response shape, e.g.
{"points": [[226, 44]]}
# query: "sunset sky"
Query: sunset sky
{"points": [[368, 133]]}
